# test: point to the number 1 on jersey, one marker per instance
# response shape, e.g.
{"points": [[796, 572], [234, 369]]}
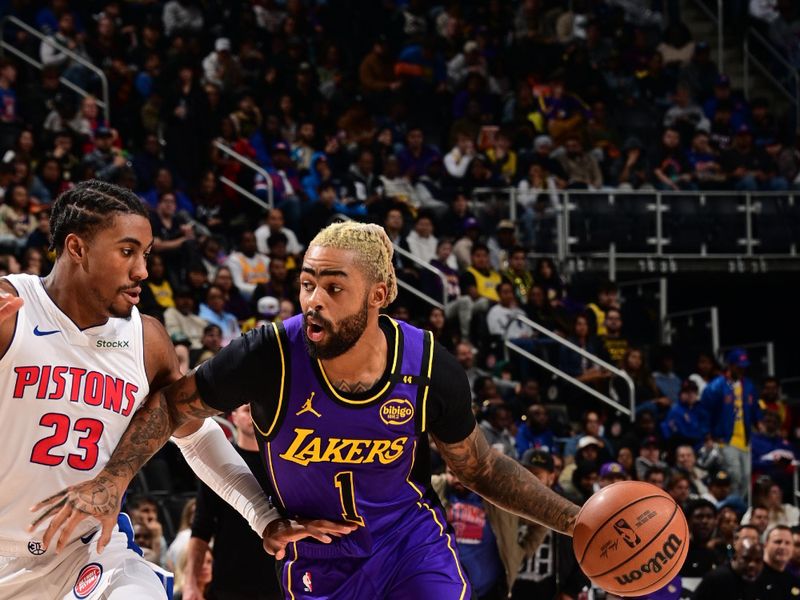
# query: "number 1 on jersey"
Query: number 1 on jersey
{"points": [[347, 494]]}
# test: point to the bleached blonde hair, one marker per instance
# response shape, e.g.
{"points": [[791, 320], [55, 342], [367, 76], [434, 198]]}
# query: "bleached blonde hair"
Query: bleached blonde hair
{"points": [[372, 247]]}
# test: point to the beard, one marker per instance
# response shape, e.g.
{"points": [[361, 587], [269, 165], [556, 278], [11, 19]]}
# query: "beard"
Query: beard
{"points": [[340, 339]]}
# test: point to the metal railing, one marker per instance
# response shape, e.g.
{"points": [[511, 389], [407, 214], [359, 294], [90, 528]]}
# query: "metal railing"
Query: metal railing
{"points": [[713, 312], [428, 267], [754, 44], [670, 226], [630, 411], [6, 47], [269, 204]]}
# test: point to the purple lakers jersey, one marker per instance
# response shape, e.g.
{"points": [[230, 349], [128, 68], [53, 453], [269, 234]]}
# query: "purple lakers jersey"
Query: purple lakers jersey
{"points": [[332, 457]]}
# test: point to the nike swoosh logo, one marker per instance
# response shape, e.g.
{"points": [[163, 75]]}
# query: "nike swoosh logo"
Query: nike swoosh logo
{"points": [[88, 538], [37, 331]]}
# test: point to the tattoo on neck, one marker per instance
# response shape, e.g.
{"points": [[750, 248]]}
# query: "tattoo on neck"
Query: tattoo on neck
{"points": [[352, 387]]}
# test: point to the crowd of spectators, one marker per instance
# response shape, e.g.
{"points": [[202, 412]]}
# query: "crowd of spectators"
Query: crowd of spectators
{"points": [[397, 113]]}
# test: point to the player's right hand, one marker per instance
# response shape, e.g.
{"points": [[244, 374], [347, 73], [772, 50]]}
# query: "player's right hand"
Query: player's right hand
{"points": [[100, 498], [282, 532], [9, 305]]}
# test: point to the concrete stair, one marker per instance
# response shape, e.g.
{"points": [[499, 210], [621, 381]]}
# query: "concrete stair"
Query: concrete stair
{"points": [[704, 29]]}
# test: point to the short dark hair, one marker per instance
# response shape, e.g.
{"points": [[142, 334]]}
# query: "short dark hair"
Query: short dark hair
{"points": [[479, 246], [89, 206], [696, 505], [777, 527], [209, 328]]}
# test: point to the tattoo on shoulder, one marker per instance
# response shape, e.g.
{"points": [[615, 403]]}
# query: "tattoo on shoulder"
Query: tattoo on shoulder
{"points": [[506, 483]]}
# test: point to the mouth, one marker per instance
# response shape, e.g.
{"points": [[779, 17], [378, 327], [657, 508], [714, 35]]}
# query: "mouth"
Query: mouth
{"points": [[133, 294], [315, 332]]}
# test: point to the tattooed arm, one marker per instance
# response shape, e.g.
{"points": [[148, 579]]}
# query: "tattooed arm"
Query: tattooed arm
{"points": [[506, 483]]}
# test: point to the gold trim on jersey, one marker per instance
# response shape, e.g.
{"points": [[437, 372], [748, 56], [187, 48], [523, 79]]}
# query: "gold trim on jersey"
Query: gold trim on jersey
{"points": [[411, 470], [378, 394], [280, 395], [289, 572], [449, 547], [272, 474], [428, 385]]}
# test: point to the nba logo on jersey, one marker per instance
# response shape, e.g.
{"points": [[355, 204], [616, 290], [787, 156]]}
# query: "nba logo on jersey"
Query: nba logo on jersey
{"points": [[88, 580], [307, 582]]}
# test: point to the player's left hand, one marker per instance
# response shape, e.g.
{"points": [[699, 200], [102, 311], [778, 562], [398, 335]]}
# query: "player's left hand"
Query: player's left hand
{"points": [[99, 498], [282, 532]]}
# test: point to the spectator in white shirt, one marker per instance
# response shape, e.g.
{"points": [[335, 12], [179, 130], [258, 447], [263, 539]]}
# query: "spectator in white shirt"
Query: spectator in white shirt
{"points": [[421, 241], [501, 319], [275, 223], [457, 161]]}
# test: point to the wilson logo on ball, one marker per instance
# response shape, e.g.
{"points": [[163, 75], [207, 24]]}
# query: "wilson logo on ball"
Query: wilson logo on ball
{"points": [[655, 563]]}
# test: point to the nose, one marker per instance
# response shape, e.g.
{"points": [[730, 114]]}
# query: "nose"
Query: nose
{"points": [[139, 271]]}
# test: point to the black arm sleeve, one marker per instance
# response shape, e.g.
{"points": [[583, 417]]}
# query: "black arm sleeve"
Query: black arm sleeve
{"points": [[246, 370], [449, 416], [204, 522]]}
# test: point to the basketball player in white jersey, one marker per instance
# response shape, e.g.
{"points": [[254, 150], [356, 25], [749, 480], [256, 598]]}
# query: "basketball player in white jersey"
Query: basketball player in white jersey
{"points": [[73, 371]]}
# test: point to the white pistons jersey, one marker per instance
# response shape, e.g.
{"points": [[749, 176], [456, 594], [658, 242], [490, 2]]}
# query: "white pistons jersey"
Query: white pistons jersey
{"points": [[67, 397]]}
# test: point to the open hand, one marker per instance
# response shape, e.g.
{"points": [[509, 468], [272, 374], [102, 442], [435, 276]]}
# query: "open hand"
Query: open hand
{"points": [[9, 305], [282, 532], [99, 498]]}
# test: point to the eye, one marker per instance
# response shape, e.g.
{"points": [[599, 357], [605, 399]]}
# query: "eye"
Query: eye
{"points": [[307, 285], [335, 289], [127, 251]]}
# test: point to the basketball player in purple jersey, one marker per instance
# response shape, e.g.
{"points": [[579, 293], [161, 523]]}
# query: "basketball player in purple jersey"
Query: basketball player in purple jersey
{"points": [[344, 401]]}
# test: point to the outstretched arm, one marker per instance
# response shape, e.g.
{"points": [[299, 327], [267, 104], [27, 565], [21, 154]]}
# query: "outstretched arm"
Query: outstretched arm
{"points": [[506, 483]]}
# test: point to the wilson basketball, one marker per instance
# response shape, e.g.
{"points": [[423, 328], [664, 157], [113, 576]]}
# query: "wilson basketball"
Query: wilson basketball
{"points": [[631, 538]]}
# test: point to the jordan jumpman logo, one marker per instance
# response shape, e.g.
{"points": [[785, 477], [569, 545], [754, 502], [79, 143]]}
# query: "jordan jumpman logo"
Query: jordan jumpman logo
{"points": [[308, 408]]}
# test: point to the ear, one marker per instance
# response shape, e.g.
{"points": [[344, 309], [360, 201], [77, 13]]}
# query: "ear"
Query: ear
{"points": [[74, 248], [378, 295]]}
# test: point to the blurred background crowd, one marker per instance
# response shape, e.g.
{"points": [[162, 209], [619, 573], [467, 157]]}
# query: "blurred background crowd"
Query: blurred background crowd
{"points": [[400, 113]]}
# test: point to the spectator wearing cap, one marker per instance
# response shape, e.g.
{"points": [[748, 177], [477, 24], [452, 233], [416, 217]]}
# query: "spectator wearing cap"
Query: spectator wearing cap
{"points": [[285, 184], [581, 168], [180, 16], [105, 160], [719, 493], [542, 564], [267, 310], [221, 67], [649, 457], [724, 96], [469, 60], [686, 421], [611, 472], [182, 320], [731, 403], [501, 243]]}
